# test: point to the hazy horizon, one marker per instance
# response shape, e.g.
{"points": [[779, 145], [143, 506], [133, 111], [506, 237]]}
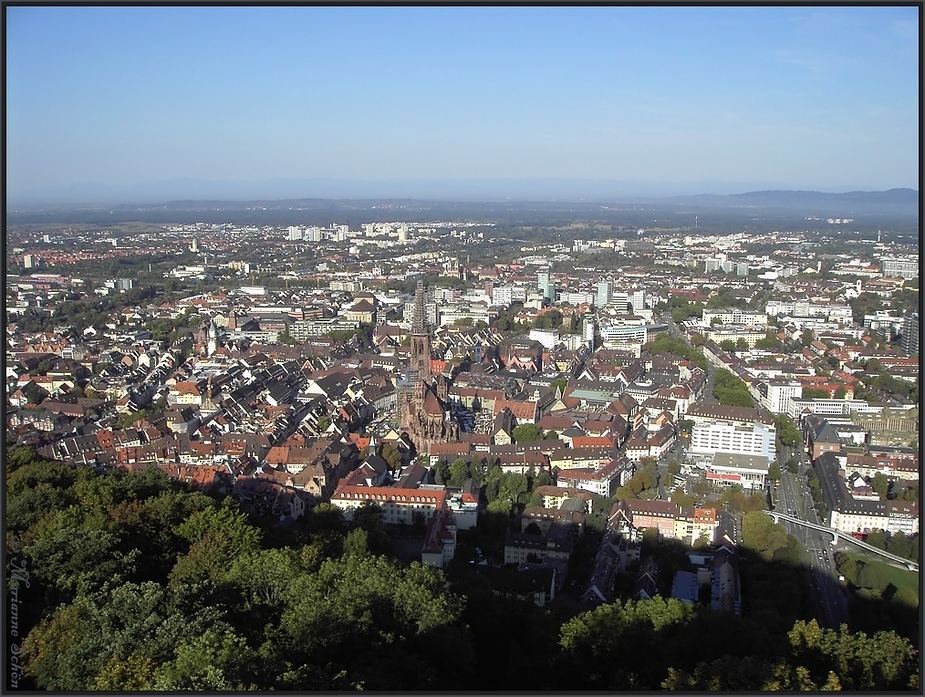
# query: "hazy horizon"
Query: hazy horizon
{"points": [[182, 189], [457, 102]]}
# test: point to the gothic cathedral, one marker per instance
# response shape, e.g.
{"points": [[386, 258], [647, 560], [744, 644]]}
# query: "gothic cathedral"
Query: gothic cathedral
{"points": [[423, 411]]}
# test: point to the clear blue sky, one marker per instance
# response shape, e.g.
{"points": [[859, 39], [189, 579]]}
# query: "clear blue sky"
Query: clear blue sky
{"points": [[808, 97]]}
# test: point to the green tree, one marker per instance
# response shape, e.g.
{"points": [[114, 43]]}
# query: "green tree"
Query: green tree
{"points": [[73, 648], [459, 472], [880, 484], [599, 643], [774, 473], [899, 545], [527, 432], [218, 535], [730, 390], [787, 431], [389, 613], [884, 661], [262, 576]]}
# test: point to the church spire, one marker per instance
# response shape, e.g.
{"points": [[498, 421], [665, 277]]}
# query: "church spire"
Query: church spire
{"points": [[418, 319]]}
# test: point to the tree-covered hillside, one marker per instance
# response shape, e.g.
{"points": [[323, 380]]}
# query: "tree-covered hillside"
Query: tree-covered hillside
{"points": [[129, 581]]}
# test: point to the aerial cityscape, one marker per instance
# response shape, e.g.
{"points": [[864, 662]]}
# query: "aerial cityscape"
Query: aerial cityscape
{"points": [[433, 349]]}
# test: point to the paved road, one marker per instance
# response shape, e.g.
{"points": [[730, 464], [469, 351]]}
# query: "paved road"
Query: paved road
{"points": [[829, 595]]}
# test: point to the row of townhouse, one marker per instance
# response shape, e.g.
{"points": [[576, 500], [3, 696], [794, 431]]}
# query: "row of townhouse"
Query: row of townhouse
{"points": [[852, 515], [632, 516]]}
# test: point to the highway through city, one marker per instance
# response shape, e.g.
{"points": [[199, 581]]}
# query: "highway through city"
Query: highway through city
{"points": [[794, 498]]}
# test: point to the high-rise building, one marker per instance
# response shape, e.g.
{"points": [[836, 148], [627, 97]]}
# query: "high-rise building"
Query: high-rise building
{"points": [[603, 294], [637, 299], [545, 285], [587, 330], [295, 233], [911, 330]]}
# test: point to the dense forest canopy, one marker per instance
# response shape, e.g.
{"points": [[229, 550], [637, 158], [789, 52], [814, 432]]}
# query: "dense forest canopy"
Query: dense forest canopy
{"points": [[137, 582]]}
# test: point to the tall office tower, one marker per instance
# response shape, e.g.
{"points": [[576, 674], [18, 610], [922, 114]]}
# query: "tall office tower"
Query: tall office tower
{"points": [[341, 233], [403, 232], [545, 285], [369, 229], [911, 334], [637, 298], [295, 233], [603, 294], [587, 330], [313, 234]]}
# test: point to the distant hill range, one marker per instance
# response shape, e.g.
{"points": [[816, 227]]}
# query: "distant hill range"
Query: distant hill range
{"points": [[571, 196], [894, 202]]}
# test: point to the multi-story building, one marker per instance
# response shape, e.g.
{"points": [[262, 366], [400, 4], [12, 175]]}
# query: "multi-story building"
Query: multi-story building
{"points": [[910, 340], [602, 481], [693, 522], [521, 548], [739, 430], [902, 516], [748, 471], [440, 540], [777, 394], [603, 293], [825, 407], [819, 437], [399, 506], [646, 515], [850, 515], [502, 295], [900, 268], [735, 316], [545, 285]]}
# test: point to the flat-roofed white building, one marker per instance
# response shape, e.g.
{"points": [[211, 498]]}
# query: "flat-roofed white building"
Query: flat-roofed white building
{"points": [[749, 471], [776, 395], [735, 316], [737, 430]]}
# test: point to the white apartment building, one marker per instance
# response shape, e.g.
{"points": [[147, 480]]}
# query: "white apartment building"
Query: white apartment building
{"points": [[736, 430], [735, 316], [900, 268], [502, 295], [776, 395]]}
